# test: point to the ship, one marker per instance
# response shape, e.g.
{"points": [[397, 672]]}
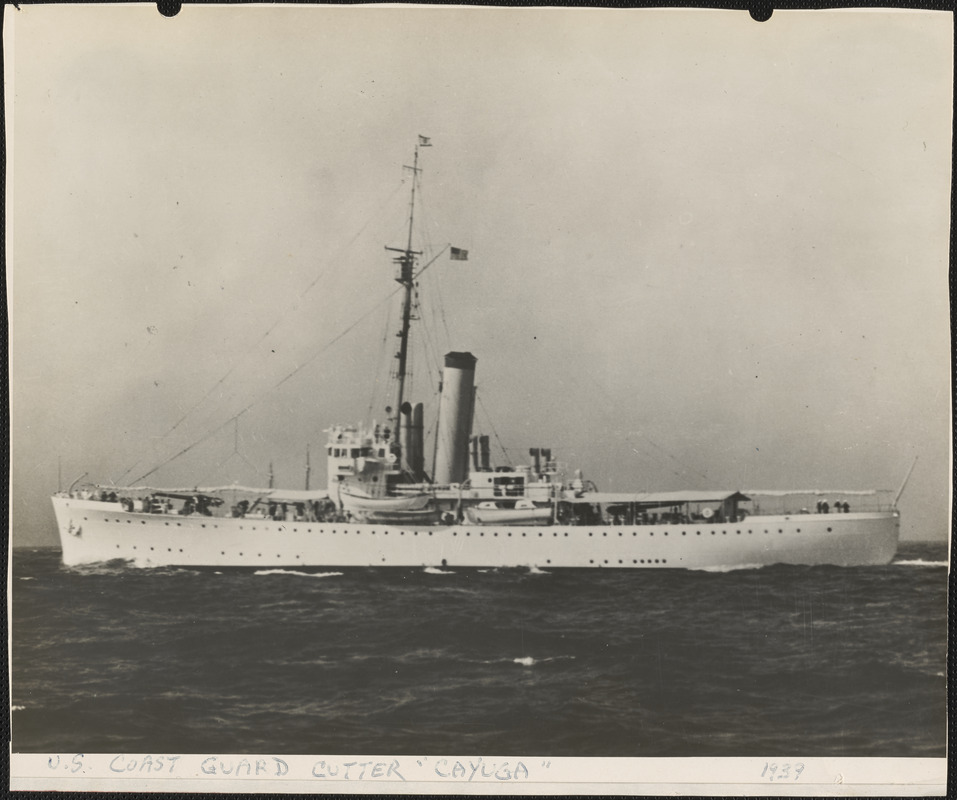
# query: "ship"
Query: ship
{"points": [[381, 507]]}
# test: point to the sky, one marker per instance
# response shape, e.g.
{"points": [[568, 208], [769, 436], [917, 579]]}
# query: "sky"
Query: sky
{"points": [[704, 252]]}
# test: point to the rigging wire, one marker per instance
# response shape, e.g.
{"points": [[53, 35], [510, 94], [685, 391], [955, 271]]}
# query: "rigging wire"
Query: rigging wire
{"points": [[488, 417], [674, 458], [278, 321], [383, 347], [258, 399]]}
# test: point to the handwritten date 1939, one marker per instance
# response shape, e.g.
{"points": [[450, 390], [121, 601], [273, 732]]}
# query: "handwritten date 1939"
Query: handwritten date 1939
{"points": [[782, 772]]}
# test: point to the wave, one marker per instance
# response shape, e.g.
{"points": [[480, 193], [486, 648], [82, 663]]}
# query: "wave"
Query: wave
{"points": [[18, 708], [917, 562], [731, 568], [296, 572], [27, 578], [528, 661], [533, 570], [525, 661], [437, 571]]}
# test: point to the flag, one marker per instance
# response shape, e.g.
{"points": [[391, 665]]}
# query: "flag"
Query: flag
{"points": [[455, 254], [424, 141]]}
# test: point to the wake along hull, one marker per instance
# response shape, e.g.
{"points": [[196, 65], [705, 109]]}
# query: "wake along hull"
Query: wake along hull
{"points": [[93, 532]]}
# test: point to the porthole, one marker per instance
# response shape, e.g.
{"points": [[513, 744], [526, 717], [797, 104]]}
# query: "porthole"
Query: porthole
{"points": [[724, 533], [656, 560], [620, 561], [151, 548], [780, 531], [181, 549], [634, 561], [798, 530], [430, 533], [642, 561], [524, 534], [605, 534], [590, 560], [590, 533], [684, 533], [240, 553], [666, 533], [481, 533], [134, 546], [455, 533], [554, 534], [620, 533], [204, 525], [651, 533], [117, 547], [664, 561], [566, 533], [698, 533], [828, 530], [222, 552], [548, 561], [606, 560], [165, 523]]}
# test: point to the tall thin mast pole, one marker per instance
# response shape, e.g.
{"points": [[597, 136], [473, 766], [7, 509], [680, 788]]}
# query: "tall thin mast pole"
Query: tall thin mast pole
{"points": [[406, 262]]}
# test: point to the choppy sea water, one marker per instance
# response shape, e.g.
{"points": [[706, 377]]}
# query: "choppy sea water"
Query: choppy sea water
{"points": [[812, 661]]}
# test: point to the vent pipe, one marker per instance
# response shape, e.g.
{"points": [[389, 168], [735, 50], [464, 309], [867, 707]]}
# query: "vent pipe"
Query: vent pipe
{"points": [[417, 456], [486, 454]]}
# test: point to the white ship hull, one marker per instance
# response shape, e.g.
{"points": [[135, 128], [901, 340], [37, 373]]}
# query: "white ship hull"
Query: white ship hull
{"points": [[92, 532]]}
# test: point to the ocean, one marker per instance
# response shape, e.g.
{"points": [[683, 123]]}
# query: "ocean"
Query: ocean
{"points": [[815, 661]]}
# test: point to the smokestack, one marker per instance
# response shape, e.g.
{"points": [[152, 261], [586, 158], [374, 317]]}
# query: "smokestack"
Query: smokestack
{"points": [[486, 454], [535, 453], [455, 418], [417, 456], [474, 442]]}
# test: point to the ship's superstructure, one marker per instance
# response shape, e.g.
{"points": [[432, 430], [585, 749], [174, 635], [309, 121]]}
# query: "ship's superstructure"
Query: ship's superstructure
{"points": [[381, 507]]}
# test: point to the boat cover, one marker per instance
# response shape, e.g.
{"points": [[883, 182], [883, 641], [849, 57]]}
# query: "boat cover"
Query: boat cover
{"points": [[656, 498]]}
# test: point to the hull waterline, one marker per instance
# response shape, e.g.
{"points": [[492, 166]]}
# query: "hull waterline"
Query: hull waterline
{"points": [[94, 532]]}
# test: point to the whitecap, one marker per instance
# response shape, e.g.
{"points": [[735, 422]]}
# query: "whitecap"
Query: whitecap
{"points": [[296, 572], [921, 563], [533, 570], [18, 708], [27, 578], [527, 661], [731, 568], [437, 571]]}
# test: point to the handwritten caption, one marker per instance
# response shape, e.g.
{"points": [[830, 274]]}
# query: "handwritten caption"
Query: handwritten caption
{"points": [[446, 769]]}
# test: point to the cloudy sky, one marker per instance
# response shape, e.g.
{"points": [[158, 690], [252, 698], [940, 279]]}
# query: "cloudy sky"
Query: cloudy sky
{"points": [[703, 251]]}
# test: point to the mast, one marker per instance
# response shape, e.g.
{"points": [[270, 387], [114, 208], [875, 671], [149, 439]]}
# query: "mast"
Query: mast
{"points": [[406, 262]]}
